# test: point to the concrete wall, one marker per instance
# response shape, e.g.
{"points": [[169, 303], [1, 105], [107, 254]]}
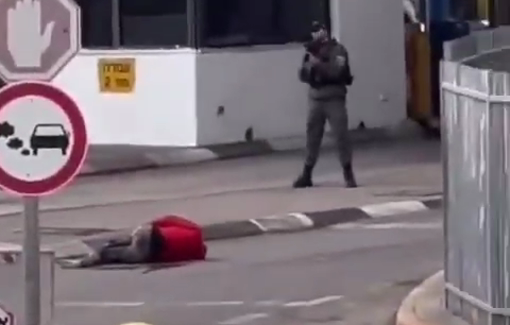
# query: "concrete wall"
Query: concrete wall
{"points": [[161, 110], [373, 32], [258, 88]]}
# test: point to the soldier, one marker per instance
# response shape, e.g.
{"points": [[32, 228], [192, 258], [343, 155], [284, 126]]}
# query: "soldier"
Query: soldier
{"points": [[326, 70]]}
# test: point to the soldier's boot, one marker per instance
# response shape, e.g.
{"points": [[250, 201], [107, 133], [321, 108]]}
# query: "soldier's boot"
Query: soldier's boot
{"points": [[305, 179], [350, 180]]}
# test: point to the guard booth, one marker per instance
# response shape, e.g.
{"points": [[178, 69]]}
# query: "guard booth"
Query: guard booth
{"points": [[436, 21], [439, 21]]}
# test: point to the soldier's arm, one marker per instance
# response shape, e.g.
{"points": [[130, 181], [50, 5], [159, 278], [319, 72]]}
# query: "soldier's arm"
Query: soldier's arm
{"points": [[333, 65], [305, 70]]}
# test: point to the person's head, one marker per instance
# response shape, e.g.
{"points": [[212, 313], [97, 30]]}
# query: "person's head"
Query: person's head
{"points": [[319, 31]]}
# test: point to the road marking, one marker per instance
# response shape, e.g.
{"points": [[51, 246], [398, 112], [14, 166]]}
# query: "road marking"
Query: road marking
{"points": [[9, 246], [243, 319], [313, 302], [394, 225], [323, 300], [100, 304], [268, 303], [392, 208], [258, 225], [214, 303], [260, 303], [303, 218]]}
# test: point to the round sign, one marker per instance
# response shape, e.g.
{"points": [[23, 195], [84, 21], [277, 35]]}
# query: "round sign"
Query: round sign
{"points": [[43, 138], [6, 317]]}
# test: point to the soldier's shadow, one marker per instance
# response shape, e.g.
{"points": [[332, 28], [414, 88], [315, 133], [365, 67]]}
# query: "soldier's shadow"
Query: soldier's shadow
{"points": [[333, 184]]}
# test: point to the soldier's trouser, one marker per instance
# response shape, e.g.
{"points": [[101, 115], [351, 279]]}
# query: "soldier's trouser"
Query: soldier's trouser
{"points": [[334, 112]]}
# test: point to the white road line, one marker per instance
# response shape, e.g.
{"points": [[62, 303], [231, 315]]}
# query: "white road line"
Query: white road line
{"points": [[296, 304], [303, 218], [323, 300], [391, 225], [313, 302], [243, 319], [214, 303], [392, 208], [268, 303], [9, 246], [100, 304], [258, 225]]}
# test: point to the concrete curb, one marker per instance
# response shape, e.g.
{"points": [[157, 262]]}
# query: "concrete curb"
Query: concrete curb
{"points": [[294, 222], [108, 159], [425, 305], [288, 223]]}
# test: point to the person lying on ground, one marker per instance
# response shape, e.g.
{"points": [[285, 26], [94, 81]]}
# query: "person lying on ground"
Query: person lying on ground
{"points": [[169, 239]]}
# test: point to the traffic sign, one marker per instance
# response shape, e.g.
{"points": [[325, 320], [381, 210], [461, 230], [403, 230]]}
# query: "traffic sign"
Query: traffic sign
{"points": [[43, 138], [6, 318], [37, 38]]}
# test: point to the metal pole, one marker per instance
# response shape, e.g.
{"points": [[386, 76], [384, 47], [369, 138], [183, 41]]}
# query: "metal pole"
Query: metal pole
{"points": [[31, 261], [491, 13], [116, 29]]}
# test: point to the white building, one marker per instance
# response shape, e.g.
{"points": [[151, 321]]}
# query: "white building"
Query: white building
{"points": [[201, 72]]}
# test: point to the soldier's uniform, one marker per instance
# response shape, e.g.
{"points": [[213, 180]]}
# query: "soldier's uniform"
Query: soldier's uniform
{"points": [[328, 73]]}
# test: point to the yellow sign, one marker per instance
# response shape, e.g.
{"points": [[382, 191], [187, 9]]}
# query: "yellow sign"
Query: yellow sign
{"points": [[117, 75]]}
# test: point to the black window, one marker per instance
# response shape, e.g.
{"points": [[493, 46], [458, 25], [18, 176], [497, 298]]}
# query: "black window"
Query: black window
{"points": [[466, 10], [153, 23], [140, 23], [96, 23], [501, 12], [242, 22]]}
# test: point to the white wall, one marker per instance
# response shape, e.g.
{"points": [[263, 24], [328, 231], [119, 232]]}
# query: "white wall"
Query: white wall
{"points": [[161, 110], [258, 88], [373, 31]]}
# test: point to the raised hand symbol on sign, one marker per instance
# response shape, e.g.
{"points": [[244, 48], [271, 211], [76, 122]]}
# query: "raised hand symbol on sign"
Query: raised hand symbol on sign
{"points": [[25, 41]]}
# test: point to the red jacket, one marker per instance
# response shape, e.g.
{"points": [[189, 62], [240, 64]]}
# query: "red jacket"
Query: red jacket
{"points": [[182, 240]]}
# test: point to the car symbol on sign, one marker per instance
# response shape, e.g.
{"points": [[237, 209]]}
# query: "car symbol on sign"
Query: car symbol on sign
{"points": [[49, 136]]}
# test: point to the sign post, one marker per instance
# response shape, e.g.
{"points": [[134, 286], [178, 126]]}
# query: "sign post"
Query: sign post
{"points": [[43, 139], [32, 269]]}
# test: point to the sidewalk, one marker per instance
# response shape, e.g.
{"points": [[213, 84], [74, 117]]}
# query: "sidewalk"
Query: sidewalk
{"points": [[405, 169], [425, 305]]}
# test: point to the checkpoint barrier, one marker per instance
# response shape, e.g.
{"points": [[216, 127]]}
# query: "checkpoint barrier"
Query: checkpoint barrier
{"points": [[12, 282], [476, 142]]}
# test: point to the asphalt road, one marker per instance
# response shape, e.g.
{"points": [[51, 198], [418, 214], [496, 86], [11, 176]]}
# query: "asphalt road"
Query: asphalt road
{"points": [[352, 274]]}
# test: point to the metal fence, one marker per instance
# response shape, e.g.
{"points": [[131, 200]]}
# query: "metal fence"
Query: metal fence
{"points": [[12, 297], [476, 136]]}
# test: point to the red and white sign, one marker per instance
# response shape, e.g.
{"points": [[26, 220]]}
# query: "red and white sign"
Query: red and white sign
{"points": [[43, 138], [37, 38], [6, 317]]}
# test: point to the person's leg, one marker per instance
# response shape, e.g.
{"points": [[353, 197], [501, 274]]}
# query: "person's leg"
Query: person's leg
{"points": [[91, 259], [138, 251], [314, 133], [336, 113]]}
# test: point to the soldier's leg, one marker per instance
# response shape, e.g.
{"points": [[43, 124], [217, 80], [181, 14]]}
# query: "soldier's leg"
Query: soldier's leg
{"points": [[314, 133], [336, 113]]}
